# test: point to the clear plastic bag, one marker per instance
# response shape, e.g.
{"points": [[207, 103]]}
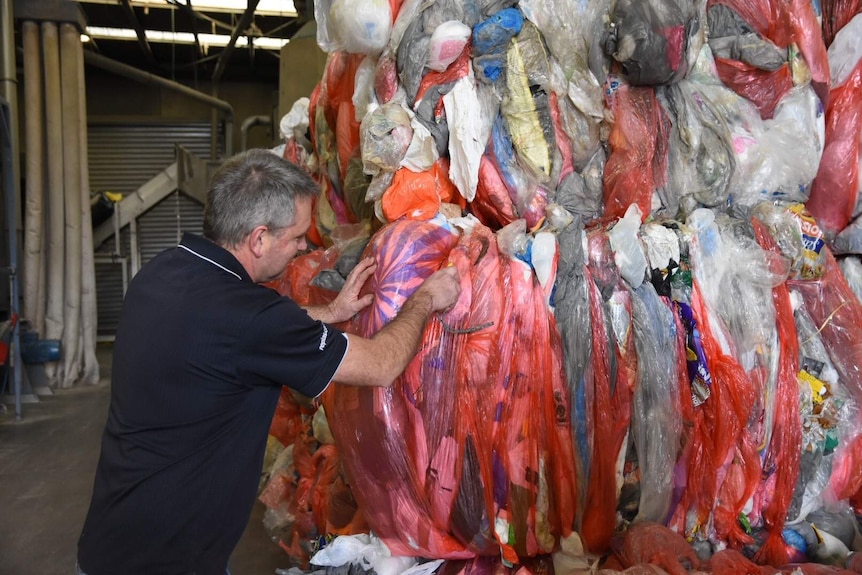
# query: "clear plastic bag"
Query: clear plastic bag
{"points": [[629, 255], [656, 419], [525, 106], [701, 158], [574, 39], [386, 134]]}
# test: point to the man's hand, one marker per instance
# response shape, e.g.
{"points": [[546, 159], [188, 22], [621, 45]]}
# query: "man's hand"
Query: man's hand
{"points": [[444, 287], [348, 302]]}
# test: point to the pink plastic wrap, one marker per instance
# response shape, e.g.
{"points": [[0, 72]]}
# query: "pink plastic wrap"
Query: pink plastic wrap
{"points": [[381, 431], [563, 143]]}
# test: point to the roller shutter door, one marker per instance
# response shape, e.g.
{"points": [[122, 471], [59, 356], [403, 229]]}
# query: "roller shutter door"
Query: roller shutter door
{"points": [[122, 158]]}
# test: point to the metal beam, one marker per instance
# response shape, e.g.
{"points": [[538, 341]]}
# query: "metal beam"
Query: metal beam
{"points": [[194, 174], [147, 78], [142, 34], [51, 10], [193, 17], [133, 205], [243, 23]]}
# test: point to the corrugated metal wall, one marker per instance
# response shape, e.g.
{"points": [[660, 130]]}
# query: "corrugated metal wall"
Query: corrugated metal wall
{"points": [[122, 158]]}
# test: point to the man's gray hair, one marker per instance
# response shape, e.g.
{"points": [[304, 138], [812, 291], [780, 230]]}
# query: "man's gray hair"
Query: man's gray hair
{"points": [[250, 189]]}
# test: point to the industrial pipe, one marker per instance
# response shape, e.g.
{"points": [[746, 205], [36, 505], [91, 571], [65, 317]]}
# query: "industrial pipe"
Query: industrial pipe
{"points": [[146, 78], [9, 88], [34, 257], [56, 219], [70, 38], [249, 123], [89, 311]]}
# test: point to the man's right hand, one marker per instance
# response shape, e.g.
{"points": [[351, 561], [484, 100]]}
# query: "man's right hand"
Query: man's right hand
{"points": [[444, 287]]}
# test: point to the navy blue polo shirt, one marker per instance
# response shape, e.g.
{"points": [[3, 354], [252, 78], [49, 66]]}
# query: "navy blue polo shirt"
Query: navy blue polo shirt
{"points": [[200, 356]]}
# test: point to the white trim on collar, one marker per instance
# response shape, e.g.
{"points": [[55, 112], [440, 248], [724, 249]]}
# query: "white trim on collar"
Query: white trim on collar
{"points": [[191, 251]]}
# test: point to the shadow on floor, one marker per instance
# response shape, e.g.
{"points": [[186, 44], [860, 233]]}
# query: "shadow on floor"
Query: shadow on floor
{"points": [[47, 464]]}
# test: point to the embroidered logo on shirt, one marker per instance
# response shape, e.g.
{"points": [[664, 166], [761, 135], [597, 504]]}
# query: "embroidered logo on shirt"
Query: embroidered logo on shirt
{"points": [[323, 338]]}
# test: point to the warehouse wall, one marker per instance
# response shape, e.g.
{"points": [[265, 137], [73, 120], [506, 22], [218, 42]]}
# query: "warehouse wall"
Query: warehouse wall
{"points": [[112, 98], [302, 63]]}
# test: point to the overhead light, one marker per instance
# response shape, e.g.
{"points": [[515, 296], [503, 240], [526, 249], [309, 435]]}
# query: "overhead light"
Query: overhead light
{"points": [[284, 8], [168, 37]]}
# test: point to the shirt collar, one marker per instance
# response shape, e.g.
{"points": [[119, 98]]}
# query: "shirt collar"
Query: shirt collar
{"points": [[213, 254]]}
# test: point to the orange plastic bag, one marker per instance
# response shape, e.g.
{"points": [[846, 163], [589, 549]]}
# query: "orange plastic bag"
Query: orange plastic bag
{"points": [[418, 195]]}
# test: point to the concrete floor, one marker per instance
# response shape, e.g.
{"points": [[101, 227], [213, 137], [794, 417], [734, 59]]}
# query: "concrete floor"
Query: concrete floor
{"points": [[47, 464]]}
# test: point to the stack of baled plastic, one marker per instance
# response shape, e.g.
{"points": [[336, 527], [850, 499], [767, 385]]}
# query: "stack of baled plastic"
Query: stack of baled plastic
{"points": [[655, 364]]}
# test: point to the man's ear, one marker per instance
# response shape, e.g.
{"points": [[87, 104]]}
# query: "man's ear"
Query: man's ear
{"points": [[255, 240]]}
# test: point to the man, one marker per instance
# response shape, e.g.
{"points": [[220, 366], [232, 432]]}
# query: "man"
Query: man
{"points": [[200, 356]]}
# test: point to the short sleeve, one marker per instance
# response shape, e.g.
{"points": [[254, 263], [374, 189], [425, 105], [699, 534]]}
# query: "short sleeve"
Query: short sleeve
{"points": [[287, 347]]}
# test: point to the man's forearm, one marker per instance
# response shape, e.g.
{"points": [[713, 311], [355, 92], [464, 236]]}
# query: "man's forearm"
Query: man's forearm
{"points": [[321, 313], [400, 338], [381, 359]]}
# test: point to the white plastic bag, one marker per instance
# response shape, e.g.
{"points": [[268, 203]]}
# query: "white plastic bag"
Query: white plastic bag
{"points": [[295, 122], [628, 252], [365, 550], [359, 26], [447, 43], [845, 51], [464, 114]]}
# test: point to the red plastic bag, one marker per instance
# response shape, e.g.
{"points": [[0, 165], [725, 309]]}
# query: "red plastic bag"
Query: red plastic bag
{"points": [[647, 542], [783, 23], [835, 189], [637, 164], [735, 463], [418, 195], [786, 446], [492, 204], [612, 388], [294, 282], [835, 15], [732, 562]]}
